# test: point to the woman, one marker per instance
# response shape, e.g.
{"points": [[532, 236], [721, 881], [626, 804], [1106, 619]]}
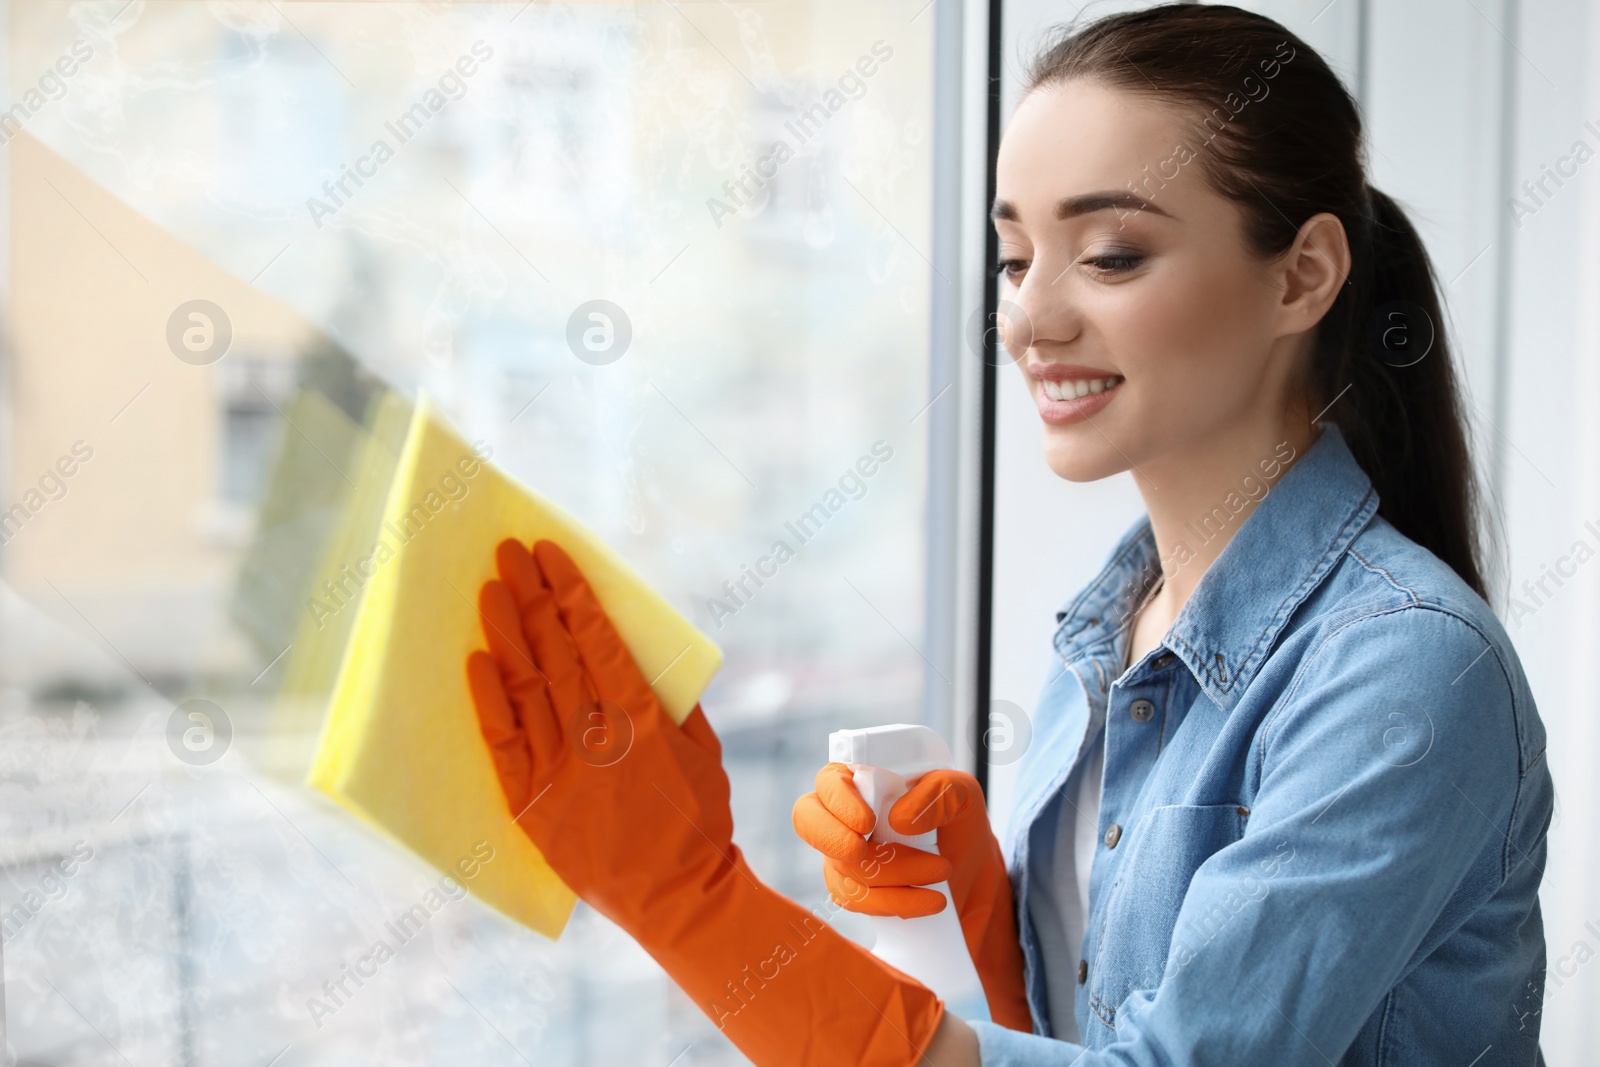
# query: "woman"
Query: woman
{"points": [[1286, 799]]}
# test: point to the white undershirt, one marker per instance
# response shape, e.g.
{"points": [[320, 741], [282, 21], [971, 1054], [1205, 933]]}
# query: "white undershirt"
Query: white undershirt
{"points": [[1058, 888]]}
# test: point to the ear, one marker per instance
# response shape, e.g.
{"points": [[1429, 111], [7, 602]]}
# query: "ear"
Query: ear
{"points": [[1313, 272]]}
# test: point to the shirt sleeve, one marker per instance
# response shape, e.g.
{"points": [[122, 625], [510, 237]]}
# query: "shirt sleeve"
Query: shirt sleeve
{"points": [[1389, 778]]}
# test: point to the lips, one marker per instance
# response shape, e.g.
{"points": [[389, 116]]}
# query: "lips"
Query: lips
{"points": [[1069, 393]]}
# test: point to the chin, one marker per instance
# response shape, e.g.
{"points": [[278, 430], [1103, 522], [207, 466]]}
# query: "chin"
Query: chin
{"points": [[1076, 459]]}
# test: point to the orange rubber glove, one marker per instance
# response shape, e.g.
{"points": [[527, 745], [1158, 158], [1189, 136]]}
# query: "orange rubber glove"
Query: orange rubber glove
{"points": [[835, 820], [631, 811]]}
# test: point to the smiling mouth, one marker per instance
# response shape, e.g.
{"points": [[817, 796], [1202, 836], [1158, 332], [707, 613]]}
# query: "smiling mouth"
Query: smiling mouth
{"points": [[1072, 388]]}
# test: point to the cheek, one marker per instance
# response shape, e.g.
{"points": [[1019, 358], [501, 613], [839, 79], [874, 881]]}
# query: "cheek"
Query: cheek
{"points": [[1188, 338], [1192, 336]]}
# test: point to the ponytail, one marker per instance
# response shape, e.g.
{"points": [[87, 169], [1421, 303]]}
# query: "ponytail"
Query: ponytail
{"points": [[1381, 366], [1404, 419]]}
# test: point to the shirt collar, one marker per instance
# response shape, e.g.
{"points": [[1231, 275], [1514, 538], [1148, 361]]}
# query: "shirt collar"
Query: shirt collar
{"points": [[1268, 568]]}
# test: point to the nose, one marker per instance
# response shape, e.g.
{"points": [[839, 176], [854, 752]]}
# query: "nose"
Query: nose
{"points": [[1041, 311]]}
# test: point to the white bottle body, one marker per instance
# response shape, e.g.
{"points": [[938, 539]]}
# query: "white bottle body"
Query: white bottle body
{"points": [[886, 761]]}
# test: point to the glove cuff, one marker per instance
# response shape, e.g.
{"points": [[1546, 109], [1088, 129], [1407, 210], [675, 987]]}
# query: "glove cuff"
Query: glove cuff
{"points": [[783, 985]]}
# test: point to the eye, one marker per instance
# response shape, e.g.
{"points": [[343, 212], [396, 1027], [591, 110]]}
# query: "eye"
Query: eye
{"points": [[1114, 262], [1009, 267]]}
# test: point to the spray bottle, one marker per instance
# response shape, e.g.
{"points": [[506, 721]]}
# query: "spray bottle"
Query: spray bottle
{"points": [[886, 760]]}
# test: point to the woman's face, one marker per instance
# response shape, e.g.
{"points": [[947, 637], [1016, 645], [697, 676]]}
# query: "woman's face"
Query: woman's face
{"points": [[1135, 288]]}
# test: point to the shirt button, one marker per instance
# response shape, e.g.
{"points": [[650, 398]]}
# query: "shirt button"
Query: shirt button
{"points": [[1163, 661], [1141, 711], [1083, 971], [1113, 835]]}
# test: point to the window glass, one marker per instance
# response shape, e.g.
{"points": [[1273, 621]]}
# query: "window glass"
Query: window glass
{"points": [[668, 261]]}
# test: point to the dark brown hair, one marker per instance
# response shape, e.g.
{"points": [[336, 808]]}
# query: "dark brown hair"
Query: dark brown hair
{"points": [[1277, 132]]}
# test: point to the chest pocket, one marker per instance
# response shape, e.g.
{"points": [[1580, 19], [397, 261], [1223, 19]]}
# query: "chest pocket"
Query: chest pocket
{"points": [[1165, 848]]}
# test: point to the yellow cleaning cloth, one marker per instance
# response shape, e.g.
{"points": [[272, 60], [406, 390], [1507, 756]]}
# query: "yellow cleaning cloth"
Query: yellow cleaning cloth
{"points": [[401, 746]]}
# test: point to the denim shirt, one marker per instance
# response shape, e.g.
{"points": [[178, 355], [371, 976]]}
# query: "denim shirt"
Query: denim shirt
{"points": [[1323, 814]]}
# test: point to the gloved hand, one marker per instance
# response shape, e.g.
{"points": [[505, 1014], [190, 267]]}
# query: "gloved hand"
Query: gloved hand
{"points": [[835, 820], [631, 811]]}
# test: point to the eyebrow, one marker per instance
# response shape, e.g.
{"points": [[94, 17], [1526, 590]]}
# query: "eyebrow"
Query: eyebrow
{"points": [[1073, 206]]}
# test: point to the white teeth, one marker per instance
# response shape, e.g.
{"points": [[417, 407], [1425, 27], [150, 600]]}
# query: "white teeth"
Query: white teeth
{"points": [[1071, 390]]}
